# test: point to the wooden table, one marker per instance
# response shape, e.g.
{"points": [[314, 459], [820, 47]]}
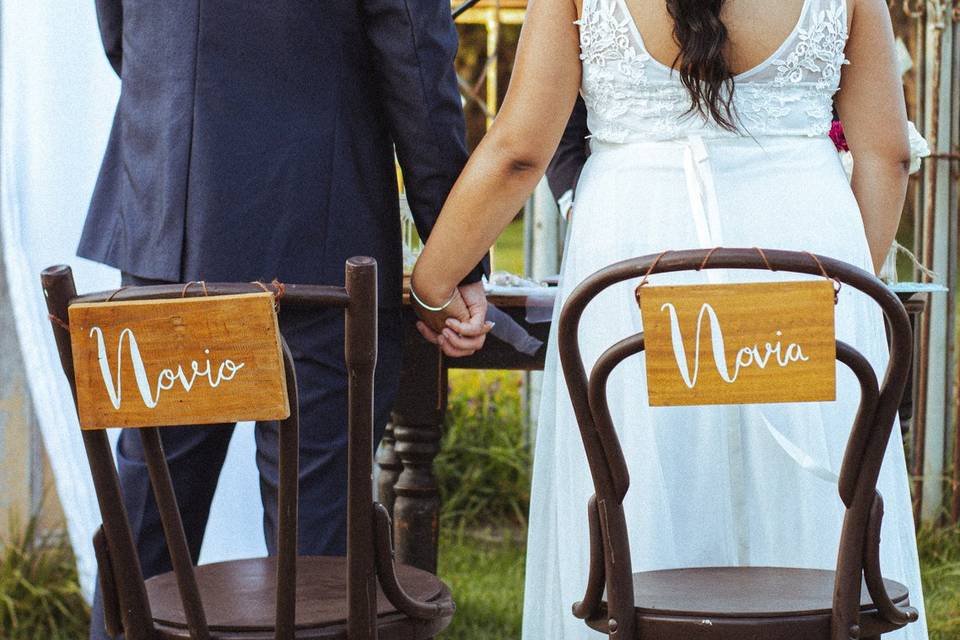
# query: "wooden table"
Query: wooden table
{"points": [[407, 486]]}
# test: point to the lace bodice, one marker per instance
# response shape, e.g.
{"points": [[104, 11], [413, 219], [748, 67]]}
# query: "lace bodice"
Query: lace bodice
{"points": [[632, 97]]}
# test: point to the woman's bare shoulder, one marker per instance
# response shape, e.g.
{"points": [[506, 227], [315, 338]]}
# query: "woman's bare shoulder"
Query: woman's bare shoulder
{"points": [[872, 8]]}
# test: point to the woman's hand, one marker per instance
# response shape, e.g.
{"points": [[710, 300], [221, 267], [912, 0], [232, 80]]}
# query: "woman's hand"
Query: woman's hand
{"points": [[460, 329], [459, 338]]}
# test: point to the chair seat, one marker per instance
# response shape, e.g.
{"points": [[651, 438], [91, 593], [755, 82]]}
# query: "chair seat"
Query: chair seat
{"points": [[758, 592], [239, 596], [735, 602]]}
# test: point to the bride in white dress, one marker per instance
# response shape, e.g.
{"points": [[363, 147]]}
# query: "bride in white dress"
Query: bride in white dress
{"points": [[710, 124]]}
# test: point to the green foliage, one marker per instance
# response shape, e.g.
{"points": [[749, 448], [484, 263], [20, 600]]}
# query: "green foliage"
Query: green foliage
{"points": [[940, 566], [484, 465], [508, 252], [39, 590], [484, 475], [486, 576]]}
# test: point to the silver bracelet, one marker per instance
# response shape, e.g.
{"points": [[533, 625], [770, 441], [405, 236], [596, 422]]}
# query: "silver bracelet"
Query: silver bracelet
{"points": [[416, 298]]}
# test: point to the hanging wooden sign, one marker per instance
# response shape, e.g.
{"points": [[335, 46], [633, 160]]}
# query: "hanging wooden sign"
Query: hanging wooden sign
{"points": [[739, 343], [177, 362]]}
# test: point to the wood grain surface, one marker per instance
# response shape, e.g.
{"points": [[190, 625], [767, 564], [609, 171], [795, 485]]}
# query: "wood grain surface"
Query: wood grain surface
{"points": [[178, 362], [739, 343]]}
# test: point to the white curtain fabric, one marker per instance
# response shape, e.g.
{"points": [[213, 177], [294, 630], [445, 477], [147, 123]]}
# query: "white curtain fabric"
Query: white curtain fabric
{"points": [[58, 99]]}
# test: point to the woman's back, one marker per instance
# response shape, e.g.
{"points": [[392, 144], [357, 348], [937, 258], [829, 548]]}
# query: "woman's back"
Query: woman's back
{"points": [[755, 28], [784, 75]]}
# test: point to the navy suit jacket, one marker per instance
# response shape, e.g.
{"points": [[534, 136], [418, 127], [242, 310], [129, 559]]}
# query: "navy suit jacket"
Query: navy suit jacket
{"points": [[255, 139], [564, 169]]}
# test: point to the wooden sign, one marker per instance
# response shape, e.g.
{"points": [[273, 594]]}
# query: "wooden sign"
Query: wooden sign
{"points": [[739, 343], [178, 362]]}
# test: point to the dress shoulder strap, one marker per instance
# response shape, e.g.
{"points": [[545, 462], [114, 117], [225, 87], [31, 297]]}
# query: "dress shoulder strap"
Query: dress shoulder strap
{"points": [[591, 7], [814, 52], [830, 13]]}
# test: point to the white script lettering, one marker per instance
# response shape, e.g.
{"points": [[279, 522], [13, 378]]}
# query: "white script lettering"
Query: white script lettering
{"points": [[746, 356], [166, 379]]}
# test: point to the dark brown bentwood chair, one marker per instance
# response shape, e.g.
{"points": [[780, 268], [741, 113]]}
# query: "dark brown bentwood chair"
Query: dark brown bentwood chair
{"points": [[853, 602], [287, 596]]}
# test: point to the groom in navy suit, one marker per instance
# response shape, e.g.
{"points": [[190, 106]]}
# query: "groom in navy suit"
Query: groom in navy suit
{"points": [[253, 141]]}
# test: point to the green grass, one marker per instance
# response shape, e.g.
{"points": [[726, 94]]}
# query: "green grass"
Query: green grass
{"points": [[940, 566], [483, 468], [484, 475], [39, 590], [486, 576], [508, 252]]}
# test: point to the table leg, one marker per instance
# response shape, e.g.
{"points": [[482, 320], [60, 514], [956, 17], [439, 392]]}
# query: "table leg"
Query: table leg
{"points": [[417, 428], [915, 308], [390, 468]]}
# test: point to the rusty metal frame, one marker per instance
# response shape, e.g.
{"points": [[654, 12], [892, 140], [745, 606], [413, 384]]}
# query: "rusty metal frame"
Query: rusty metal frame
{"points": [[936, 427]]}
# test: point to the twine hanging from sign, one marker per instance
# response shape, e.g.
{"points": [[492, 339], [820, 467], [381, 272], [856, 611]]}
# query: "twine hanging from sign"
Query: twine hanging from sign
{"points": [[653, 266], [66, 326], [115, 292], [186, 287], [57, 321], [279, 290], [837, 285], [763, 256]]}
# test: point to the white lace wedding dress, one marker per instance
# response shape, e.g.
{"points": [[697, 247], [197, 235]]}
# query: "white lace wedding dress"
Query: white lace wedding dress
{"points": [[748, 485]]}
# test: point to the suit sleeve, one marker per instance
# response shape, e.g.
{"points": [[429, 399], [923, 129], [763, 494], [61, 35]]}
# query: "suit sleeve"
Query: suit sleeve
{"points": [[567, 163], [110, 19], [414, 43]]}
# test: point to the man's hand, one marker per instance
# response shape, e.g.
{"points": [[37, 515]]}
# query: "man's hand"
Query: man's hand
{"points": [[464, 333]]}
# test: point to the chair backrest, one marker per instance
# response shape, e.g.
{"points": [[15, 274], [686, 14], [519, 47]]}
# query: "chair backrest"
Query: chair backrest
{"points": [[128, 610], [858, 557]]}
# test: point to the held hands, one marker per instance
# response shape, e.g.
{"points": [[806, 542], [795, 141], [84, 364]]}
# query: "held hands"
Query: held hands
{"points": [[459, 328]]}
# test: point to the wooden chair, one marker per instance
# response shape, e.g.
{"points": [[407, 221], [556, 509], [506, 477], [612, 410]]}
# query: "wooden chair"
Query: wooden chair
{"points": [[853, 602], [286, 596]]}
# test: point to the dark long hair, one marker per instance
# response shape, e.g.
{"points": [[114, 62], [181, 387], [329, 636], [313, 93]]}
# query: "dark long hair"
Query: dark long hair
{"points": [[701, 36]]}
